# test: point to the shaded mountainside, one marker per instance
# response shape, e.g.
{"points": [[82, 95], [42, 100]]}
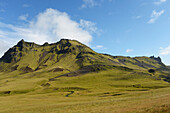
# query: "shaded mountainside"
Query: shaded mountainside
{"points": [[71, 56]]}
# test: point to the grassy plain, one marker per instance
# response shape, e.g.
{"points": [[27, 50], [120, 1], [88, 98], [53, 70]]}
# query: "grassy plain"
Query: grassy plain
{"points": [[100, 92]]}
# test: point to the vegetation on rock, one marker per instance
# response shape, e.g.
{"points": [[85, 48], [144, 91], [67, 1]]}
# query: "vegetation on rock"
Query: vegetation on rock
{"points": [[68, 76]]}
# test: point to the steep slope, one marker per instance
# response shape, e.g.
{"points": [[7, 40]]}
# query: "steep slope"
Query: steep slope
{"points": [[138, 62], [67, 55], [35, 57]]}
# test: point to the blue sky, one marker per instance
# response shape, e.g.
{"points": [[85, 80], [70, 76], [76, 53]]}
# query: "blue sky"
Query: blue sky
{"points": [[117, 27]]}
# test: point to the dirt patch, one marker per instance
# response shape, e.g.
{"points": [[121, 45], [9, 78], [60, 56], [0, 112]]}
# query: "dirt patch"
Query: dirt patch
{"points": [[14, 68], [58, 69], [46, 84], [26, 69]]}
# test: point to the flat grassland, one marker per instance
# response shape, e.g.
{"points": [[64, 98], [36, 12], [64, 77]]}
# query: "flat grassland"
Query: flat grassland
{"points": [[111, 91]]}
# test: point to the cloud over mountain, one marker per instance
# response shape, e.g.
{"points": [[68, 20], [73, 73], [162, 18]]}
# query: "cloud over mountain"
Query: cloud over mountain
{"points": [[49, 26], [164, 51]]}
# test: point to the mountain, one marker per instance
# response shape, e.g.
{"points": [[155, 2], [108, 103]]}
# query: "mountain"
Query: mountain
{"points": [[71, 57], [69, 77]]}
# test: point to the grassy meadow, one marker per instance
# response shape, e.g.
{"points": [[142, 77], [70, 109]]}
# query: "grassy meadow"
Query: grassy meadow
{"points": [[111, 91]]}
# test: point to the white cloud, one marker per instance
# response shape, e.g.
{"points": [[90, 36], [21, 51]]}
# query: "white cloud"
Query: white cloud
{"points": [[93, 3], [6, 32], [155, 15], [4, 46], [138, 17], [49, 26], [164, 51], [25, 5], [88, 26], [99, 47], [159, 2], [129, 50], [89, 3], [23, 17], [53, 25]]}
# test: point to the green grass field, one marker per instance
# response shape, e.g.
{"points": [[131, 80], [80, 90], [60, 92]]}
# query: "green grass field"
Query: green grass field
{"points": [[100, 92]]}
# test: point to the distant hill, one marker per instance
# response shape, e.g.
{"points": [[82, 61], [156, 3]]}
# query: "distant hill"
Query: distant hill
{"points": [[71, 57]]}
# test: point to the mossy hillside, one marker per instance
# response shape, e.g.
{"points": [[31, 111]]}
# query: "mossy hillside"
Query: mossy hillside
{"points": [[114, 80], [138, 62], [43, 56], [103, 83], [67, 54]]}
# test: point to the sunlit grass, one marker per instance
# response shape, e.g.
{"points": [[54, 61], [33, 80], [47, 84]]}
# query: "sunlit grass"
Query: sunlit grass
{"points": [[106, 91]]}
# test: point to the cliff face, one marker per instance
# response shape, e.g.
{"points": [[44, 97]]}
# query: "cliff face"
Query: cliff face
{"points": [[15, 53]]}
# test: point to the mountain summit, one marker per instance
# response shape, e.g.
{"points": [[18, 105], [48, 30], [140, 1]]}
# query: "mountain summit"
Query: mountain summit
{"points": [[68, 54], [71, 56]]}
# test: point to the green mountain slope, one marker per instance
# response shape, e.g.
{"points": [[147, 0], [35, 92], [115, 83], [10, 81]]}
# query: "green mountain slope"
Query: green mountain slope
{"points": [[67, 54], [70, 57], [68, 76]]}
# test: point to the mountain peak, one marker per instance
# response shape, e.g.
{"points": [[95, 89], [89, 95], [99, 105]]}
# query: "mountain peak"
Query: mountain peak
{"points": [[20, 43], [69, 55], [156, 58], [45, 44], [63, 39], [22, 40]]}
